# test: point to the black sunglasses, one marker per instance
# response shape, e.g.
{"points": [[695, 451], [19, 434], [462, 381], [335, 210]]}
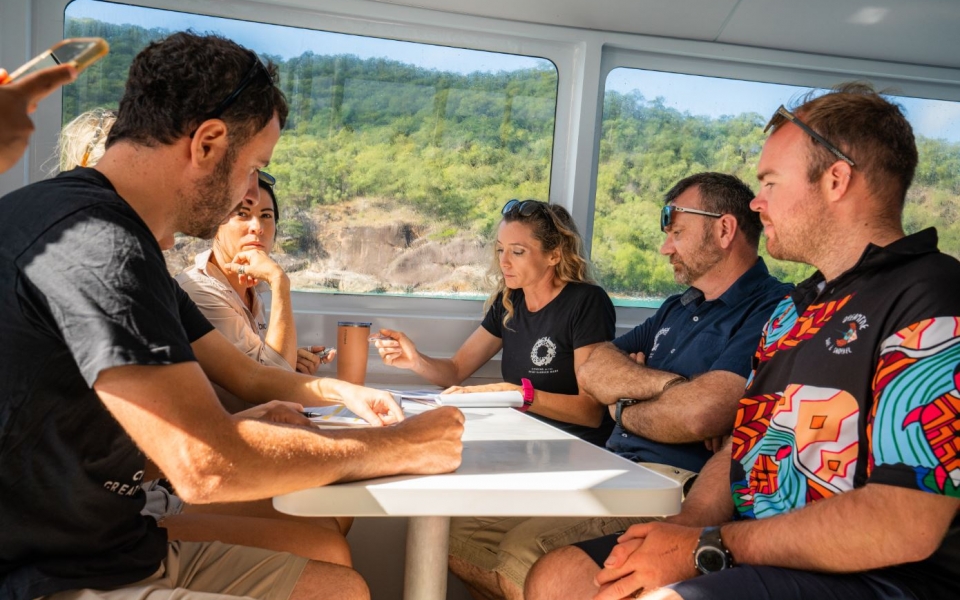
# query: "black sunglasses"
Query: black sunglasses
{"points": [[257, 68], [666, 214], [524, 208], [266, 179], [783, 114]]}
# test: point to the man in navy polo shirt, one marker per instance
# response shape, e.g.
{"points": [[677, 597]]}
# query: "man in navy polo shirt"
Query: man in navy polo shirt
{"points": [[842, 477], [684, 370], [675, 380]]}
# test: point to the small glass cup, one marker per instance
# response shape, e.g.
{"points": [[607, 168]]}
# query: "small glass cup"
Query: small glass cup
{"points": [[353, 349]]}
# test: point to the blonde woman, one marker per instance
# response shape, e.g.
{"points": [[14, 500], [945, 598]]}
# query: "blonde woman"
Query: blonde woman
{"points": [[546, 314]]}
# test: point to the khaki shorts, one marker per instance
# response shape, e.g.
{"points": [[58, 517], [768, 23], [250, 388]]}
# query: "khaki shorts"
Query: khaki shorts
{"points": [[509, 546], [208, 570]]}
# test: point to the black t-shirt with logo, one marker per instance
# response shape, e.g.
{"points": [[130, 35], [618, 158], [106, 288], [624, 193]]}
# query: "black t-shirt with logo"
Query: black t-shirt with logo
{"points": [[539, 345], [856, 382], [84, 288]]}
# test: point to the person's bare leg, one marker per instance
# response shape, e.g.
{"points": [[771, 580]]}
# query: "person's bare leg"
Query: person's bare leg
{"points": [[265, 510], [509, 589], [344, 523], [323, 581], [482, 584], [567, 572], [309, 540]]}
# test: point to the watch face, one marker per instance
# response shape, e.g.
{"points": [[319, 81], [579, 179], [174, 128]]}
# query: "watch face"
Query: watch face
{"points": [[710, 560]]}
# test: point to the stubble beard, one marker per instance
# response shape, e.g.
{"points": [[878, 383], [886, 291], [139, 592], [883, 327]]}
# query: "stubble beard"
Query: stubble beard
{"points": [[210, 202], [705, 258], [808, 234]]}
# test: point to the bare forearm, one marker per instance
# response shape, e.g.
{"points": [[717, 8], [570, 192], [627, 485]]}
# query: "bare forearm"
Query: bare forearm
{"points": [[709, 501], [296, 458], [869, 528], [282, 330], [610, 374], [580, 409], [443, 372], [689, 412]]}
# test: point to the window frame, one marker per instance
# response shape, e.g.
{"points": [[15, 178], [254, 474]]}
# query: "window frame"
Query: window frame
{"points": [[583, 59]]}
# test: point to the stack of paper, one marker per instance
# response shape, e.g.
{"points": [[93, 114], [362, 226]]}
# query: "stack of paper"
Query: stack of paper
{"points": [[468, 400]]}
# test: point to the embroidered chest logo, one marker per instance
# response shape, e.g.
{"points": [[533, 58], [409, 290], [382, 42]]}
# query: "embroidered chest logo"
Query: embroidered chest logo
{"points": [[846, 336], [543, 352], [656, 339]]}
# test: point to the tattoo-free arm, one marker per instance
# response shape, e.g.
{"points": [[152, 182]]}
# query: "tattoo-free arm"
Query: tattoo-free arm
{"points": [[173, 415], [869, 528], [709, 501], [282, 330], [688, 412], [609, 375], [398, 350]]}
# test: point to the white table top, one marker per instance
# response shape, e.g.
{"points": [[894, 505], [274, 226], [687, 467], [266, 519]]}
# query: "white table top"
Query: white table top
{"points": [[513, 465]]}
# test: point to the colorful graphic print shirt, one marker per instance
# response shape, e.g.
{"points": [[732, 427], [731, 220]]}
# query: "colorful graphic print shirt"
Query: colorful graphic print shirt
{"points": [[856, 381]]}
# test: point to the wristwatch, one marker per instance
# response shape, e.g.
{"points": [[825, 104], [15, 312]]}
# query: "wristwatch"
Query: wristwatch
{"points": [[711, 555], [622, 403]]}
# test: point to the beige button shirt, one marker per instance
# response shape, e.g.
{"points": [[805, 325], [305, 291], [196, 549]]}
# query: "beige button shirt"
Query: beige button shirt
{"points": [[208, 287]]}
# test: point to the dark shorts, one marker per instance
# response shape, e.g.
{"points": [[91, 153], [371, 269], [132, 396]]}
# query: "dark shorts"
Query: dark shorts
{"points": [[747, 582]]}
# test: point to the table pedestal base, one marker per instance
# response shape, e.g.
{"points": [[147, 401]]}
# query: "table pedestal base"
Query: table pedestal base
{"points": [[425, 573]]}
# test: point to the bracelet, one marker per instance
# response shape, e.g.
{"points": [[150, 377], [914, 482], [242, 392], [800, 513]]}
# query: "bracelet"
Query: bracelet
{"points": [[675, 381], [527, 395]]}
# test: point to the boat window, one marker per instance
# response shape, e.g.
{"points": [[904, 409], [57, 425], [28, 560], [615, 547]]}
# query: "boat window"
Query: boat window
{"points": [[659, 127], [396, 158]]}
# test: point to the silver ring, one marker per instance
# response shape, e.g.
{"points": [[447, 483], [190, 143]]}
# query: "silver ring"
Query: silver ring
{"points": [[242, 270]]}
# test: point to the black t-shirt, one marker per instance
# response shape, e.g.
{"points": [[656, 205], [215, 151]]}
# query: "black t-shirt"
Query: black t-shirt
{"points": [[84, 288], [539, 345]]}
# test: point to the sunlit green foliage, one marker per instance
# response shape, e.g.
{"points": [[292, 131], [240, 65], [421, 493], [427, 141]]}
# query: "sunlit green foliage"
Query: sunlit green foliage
{"points": [[453, 148]]}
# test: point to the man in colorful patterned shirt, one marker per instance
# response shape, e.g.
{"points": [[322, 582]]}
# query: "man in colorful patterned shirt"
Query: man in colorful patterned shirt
{"points": [[841, 479]]}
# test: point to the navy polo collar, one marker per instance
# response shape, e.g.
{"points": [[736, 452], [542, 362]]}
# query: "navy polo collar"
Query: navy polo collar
{"points": [[742, 288]]}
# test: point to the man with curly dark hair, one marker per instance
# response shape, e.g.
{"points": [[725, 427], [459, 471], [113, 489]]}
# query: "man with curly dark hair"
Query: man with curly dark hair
{"points": [[99, 364]]}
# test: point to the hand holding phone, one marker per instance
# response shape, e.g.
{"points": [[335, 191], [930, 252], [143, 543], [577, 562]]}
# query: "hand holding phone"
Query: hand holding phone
{"points": [[79, 53], [21, 91]]}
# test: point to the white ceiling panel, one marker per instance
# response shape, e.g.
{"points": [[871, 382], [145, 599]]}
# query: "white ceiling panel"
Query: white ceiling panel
{"points": [[922, 32], [671, 18]]}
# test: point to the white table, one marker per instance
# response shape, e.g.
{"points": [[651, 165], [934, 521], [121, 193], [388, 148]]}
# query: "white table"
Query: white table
{"points": [[513, 465]]}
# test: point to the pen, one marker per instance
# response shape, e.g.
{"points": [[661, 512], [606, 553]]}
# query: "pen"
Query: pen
{"points": [[311, 415]]}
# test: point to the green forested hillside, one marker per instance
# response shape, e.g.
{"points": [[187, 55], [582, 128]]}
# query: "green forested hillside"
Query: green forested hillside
{"points": [[453, 148]]}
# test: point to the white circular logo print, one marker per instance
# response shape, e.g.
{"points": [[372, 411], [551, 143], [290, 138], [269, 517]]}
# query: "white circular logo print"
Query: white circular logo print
{"points": [[543, 352]]}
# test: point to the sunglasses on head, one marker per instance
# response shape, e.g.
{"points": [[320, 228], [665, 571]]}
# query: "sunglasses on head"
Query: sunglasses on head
{"points": [[257, 68], [266, 179], [524, 208], [783, 114], [666, 214]]}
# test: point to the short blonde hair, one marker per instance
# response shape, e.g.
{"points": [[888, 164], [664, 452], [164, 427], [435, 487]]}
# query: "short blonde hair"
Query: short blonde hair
{"points": [[82, 140]]}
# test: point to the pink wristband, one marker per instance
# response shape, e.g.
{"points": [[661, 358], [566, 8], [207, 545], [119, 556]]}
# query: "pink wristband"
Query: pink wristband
{"points": [[527, 395]]}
